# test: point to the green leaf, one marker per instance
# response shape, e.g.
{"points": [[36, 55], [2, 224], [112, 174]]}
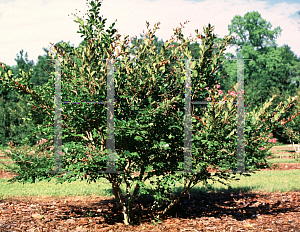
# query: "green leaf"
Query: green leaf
{"points": [[92, 73]]}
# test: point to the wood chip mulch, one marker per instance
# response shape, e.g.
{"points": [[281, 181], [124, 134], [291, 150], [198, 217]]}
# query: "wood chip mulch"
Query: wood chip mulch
{"points": [[228, 211], [255, 211]]}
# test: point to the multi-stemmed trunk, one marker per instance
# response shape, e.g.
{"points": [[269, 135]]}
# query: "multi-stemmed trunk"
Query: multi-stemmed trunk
{"points": [[127, 202]]}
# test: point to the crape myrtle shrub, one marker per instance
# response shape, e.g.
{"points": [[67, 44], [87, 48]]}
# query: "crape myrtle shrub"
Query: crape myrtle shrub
{"points": [[149, 113]]}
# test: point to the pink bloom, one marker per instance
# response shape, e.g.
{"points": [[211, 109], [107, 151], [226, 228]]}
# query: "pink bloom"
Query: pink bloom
{"points": [[208, 99], [271, 134], [218, 86], [272, 140], [8, 151], [220, 92], [232, 93], [42, 141], [52, 148], [207, 88], [262, 148]]}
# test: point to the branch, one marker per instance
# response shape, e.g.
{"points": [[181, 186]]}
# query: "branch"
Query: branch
{"points": [[177, 199]]}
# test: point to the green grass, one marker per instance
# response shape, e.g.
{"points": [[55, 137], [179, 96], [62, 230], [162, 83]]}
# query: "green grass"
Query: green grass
{"points": [[45, 188], [268, 181], [280, 160]]}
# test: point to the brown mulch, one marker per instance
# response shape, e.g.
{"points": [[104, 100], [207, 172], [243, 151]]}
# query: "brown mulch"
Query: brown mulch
{"points": [[251, 211], [228, 211]]}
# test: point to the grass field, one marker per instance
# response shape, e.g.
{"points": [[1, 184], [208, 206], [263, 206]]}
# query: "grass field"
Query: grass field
{"points": [[268, 181]]}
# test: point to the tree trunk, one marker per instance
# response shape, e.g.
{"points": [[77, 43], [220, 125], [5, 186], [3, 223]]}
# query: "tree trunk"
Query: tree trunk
{"points": [[127, 212], [127, 206]]}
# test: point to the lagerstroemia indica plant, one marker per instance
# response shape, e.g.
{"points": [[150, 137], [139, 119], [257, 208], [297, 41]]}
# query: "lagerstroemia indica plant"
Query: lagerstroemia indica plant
{"points": [[149, 117]]}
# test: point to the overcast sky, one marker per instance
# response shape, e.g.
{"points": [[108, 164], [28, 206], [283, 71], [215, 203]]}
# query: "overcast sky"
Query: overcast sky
{"points": [[32, 24]]}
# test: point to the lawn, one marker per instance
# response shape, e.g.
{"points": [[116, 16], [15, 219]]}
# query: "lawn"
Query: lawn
{"points": [[270, 181]]}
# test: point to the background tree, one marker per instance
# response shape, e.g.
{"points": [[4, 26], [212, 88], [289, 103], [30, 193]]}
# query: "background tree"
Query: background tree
{"points": [[42, 70], [17, 115], [14, 111], [272, 67]]}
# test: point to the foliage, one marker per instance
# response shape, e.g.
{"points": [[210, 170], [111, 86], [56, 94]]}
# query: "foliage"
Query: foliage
{"points": [[42, 70], [253, 30], [14, 120], [18, 116], [270, 67], [149, 105], [271, 70]]}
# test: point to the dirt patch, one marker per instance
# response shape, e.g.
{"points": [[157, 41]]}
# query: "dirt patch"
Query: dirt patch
{"points": [[5, 174], [282, 166], [282, 148]]}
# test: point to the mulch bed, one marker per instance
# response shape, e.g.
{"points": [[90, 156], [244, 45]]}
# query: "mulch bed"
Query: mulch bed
{"points": [[228, 211], [255, 211]]}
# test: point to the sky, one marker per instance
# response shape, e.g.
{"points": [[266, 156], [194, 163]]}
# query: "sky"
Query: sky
{"points": [[33, 24]]}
